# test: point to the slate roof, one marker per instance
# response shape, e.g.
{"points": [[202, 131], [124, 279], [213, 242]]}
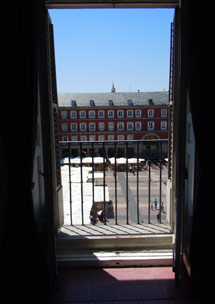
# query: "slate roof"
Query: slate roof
{"points": [[118, 99]]}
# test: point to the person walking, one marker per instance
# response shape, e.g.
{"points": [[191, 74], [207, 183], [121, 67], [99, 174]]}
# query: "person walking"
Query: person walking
{"points": [[162, 207], [151, 205]]}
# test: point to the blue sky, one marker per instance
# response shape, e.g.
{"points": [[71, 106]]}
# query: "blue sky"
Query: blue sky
{"points": [[94, 48]]}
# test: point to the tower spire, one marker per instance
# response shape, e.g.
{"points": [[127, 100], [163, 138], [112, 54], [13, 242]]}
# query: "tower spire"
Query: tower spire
{"points": [[113, 90]]}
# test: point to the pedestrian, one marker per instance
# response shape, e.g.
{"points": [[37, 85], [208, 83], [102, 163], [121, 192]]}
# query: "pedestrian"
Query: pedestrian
{"points": [[155, 203], [151, 206], [162, 208], [101, 215], [133, 170], [158, 217], [110, 213]]}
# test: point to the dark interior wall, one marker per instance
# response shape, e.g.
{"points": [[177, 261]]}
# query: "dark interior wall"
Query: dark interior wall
{"points": [[196, 33], [25, 270]]}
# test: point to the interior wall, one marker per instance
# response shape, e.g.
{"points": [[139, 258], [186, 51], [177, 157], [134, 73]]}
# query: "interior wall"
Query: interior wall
{"points": [[25, 270], [196, 29]]}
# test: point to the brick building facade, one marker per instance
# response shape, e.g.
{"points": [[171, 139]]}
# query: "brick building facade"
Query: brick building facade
{"points": [[113, 116]]}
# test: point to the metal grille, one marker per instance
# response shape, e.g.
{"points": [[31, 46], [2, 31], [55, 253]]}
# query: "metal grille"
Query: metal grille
{"points": [[121, 189]]}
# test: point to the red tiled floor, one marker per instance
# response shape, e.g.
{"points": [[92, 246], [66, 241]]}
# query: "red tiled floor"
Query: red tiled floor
{"points": [[116, 284]]}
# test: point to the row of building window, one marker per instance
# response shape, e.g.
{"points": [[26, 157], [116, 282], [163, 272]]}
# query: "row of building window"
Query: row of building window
{"points": [[110, 137], [131, 126], [111, 114]]}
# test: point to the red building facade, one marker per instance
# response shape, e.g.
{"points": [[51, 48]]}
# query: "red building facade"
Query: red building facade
{"points": [[113, 116], [120, 123]]}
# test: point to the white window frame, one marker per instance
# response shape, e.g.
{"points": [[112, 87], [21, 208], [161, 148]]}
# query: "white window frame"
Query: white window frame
{"points": [[74, 138], [101, 114], [92, 138], [83, 137], [101, 126], [163, 112], [130, 126], [120, 126], [120, 137], [92, 126], [150, 113], [110, 126], [65, 138], [111, 114], [130, 137], [120, 113], [73, 127], [82, 114], [138, 113], [101, 138], [73, 114], [150, 125], [110, 137], [64, 115], [92, 114], [130, 113], [64, 127], [83, 126], [138, 125], [163, 125]]}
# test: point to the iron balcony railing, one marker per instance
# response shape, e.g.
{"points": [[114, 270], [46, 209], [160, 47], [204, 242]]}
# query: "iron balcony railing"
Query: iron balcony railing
{"points": [[117, 182]]}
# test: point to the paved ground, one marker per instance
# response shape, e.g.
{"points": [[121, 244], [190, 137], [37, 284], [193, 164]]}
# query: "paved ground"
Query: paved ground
{"points": [[121, 195], [132, 195], [113, 230]]}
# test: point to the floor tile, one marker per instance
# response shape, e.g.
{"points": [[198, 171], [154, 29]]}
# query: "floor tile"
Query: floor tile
{"points": [[117, 284], [103, 292]]}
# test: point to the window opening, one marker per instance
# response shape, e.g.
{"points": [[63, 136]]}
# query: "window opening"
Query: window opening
{"points": [[74, 104], [92, 103], [110, 102], [153, 154], [130, 102]]}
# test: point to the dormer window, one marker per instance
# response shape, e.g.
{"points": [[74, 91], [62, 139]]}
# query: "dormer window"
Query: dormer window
{"points": [[73, 103], [151, 102], [92, 103], [130, 102], [110, 103]]}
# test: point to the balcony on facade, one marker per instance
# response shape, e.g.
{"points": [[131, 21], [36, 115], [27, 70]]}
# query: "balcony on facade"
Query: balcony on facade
{"points": [[102, 124], [66, 113], [116, 197]]}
